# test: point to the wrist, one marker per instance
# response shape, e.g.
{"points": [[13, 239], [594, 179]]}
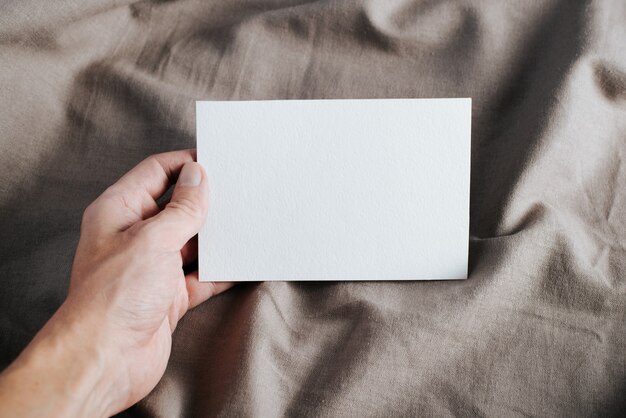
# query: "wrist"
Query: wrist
{"points": [[64, 370]]}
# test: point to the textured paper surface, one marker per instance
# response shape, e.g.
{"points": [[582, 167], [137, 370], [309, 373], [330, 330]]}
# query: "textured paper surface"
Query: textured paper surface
{"points": [[335, 189]]}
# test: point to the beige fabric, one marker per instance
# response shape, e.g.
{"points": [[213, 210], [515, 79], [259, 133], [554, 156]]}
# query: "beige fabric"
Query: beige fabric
{"points": [[90, 88]]}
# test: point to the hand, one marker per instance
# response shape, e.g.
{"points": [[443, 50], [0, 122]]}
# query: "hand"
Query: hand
{"points": [[111, 338]]}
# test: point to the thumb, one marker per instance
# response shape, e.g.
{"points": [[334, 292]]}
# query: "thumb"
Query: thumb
{"points": [[185, 213]]}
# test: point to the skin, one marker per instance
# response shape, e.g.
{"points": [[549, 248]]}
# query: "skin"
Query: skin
{"points": [[108, 344]]}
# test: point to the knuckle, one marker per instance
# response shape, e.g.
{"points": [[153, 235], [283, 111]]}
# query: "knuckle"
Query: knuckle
{"points": [[149, 164], [89, 210], [151, 160], [155, 162], [97, 211], [212, 289], [187, 205], [90, 213]]}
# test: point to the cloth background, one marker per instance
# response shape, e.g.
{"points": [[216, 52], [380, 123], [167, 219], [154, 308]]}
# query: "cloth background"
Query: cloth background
{"points": [[89, 88]]}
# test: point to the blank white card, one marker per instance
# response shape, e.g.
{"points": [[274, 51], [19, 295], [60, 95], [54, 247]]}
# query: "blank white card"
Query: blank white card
{"points": [[335, 189]]}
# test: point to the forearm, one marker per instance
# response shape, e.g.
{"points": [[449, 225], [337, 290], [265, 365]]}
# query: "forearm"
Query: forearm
{"points": [[58, 374], [108, 345]]}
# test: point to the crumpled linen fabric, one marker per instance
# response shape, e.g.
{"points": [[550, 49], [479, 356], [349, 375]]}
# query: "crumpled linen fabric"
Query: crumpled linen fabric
{"points": [[90, 88]]}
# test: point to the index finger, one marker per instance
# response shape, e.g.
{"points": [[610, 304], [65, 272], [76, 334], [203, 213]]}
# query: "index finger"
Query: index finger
{"points": [[133, 197]]}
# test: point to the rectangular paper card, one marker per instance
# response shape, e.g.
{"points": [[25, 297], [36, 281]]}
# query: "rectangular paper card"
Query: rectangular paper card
{"points": [[335, 189]]}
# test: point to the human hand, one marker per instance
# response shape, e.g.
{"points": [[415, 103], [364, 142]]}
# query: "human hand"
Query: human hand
{"points": [[111, 338]]}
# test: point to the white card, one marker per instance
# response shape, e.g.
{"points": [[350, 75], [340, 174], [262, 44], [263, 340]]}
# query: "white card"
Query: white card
{"points": [[335, 189]]}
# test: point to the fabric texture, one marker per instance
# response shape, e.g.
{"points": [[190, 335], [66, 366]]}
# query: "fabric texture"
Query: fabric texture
{"points": [[89, 88]]}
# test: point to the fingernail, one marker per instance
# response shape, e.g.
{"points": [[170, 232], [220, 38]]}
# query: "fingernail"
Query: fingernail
{"points": [[190, 175]]}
